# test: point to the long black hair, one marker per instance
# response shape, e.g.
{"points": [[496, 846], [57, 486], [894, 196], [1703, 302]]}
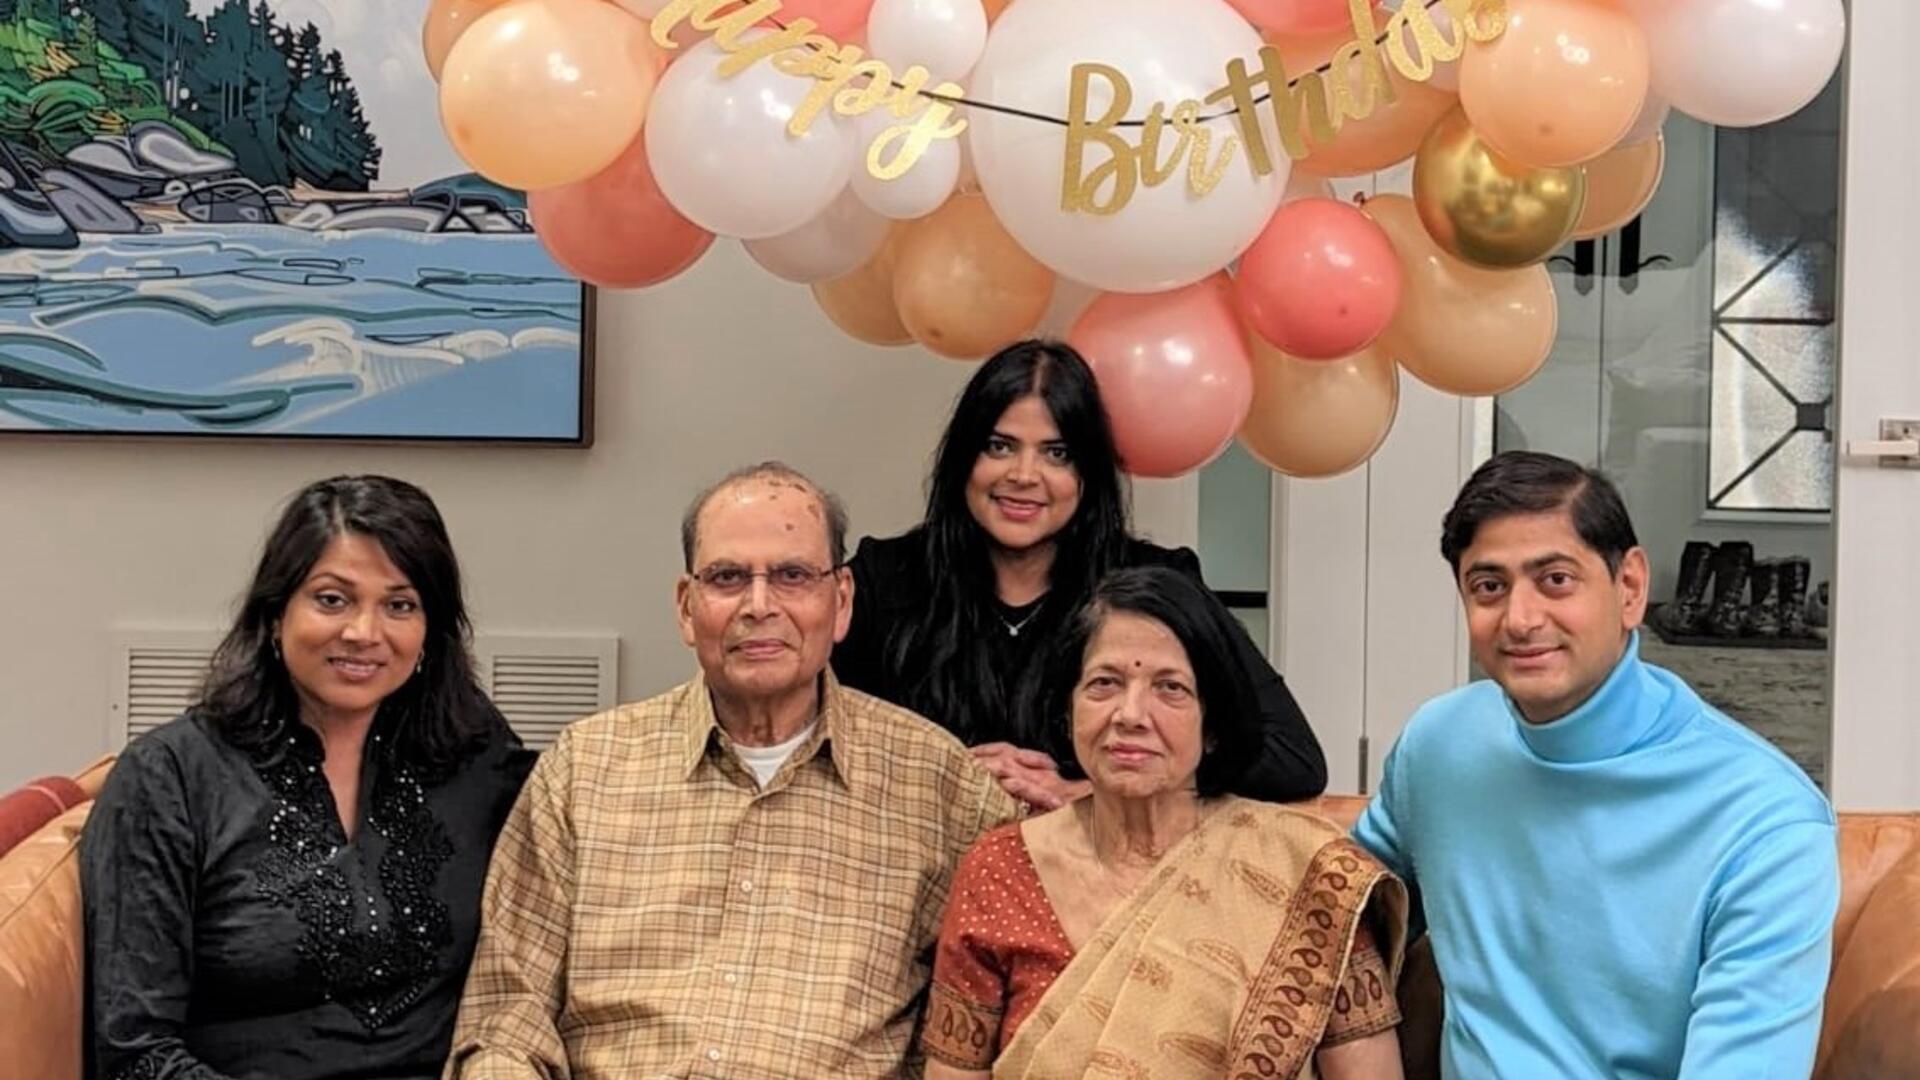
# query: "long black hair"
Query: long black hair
{"points": [[438, 713], [942, 655], [1230, 719]]}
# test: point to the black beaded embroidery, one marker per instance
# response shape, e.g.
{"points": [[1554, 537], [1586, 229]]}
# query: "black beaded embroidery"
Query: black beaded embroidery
{"points": [[145, 1067], [378, 971]]}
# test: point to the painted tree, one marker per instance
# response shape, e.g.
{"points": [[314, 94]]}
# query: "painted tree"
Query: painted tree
{"points": [[167, 39], [110, 22], [342, 137], [307, 106]]}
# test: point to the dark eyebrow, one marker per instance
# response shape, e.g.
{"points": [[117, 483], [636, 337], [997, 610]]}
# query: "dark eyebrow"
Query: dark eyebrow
{"points": [[1531, 566], [1534, 566], [352, 584]]}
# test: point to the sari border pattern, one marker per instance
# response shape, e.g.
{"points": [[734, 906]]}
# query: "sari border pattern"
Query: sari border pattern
{"points": [[1291, 997], [961, 1032]]}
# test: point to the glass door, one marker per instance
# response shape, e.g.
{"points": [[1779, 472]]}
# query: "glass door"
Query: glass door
{"points": [[1695, 366]]}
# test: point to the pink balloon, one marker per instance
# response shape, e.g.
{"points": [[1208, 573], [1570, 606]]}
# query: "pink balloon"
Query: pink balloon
{"points": [[615, 228], [840, 19], [1174, 373], [1295, 16], [1321, 282]]}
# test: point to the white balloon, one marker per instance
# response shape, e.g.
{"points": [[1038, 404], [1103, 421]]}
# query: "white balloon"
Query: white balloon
{"points": [[1446, 76], [720, 149], [915, 193], [1165, 237], [943, 36], [1739, 63], [836, 243], [646, 9]]}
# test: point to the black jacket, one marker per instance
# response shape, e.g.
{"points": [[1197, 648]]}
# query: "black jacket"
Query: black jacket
{"points": [[891, 588]]}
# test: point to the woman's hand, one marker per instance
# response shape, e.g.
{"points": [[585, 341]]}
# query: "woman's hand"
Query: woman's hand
{"points": [[1029, 775]]}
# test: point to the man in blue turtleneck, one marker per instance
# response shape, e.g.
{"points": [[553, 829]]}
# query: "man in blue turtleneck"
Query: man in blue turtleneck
{"points": [[1619, 880]]}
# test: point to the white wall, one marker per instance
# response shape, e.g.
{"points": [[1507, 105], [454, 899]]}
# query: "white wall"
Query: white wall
{"points": [[724, 366], [1876, 683]]}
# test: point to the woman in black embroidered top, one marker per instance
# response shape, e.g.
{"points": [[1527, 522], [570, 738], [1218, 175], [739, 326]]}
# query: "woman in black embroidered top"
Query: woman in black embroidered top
{"points": [[285, 882], [1026, 512]]}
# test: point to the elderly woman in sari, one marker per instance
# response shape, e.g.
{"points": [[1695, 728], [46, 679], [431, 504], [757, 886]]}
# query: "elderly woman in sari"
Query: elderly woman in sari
{"points": [[1159, 927]]}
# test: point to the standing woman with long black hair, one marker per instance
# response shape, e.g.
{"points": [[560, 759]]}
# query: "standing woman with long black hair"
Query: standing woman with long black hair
{"points": [[1026, 512]]}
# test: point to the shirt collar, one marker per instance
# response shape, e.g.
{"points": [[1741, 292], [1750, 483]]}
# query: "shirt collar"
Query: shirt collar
{"points": [[1628, 711], [836, 737]]}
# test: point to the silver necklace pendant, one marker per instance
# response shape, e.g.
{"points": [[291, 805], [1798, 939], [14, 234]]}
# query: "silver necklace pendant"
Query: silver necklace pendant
{"points": [[1013, 629]]}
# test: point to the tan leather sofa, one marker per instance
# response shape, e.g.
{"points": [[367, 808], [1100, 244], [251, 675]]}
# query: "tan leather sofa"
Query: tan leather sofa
{"points": [[1872, 1029], [40, 944], [1872, 1025]]}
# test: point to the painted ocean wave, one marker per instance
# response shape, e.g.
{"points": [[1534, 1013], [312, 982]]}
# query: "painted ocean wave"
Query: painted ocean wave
{"points": [[272, 330]]}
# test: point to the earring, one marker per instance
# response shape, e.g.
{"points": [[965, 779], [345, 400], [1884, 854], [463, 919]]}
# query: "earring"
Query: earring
{"points": [[276, 650], [422, 664]]}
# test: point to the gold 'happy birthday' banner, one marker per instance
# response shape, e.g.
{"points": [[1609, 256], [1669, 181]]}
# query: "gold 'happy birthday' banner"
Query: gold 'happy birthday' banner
{"points": [[851, 84]]}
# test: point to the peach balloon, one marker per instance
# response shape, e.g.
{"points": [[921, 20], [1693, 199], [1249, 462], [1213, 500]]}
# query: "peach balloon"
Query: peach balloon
{"points": [[861, 303], [1459, 328], [1387, 135], [539, 93], [961, 284], [1620, 184], [446, 21], [994, 8], [615, 228], [1561, 85], [1173, 372], [1315, 418]]}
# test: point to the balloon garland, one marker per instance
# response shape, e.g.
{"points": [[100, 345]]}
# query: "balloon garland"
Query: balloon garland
{"points": [[937, 170]]}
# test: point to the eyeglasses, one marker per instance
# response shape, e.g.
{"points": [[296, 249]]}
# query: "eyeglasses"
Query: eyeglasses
{"points": [[788, 581]]}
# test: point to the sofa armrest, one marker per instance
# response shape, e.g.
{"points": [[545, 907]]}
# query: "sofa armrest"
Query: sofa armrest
{"points": [[42, 936]]}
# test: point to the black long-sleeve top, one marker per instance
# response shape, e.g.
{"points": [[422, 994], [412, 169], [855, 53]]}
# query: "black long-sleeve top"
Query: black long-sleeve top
{"points": [[235, 931], [891, 589]]}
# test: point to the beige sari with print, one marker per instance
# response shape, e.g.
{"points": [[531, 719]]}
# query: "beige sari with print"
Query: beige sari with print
{"points": [[1226, 963]]}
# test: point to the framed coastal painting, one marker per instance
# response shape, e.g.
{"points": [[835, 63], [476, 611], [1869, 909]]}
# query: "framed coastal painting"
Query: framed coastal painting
{"points": [[241, 218]]}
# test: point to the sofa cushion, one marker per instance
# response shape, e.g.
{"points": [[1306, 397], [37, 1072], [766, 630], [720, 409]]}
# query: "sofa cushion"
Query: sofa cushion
{"points": [[1870, 845], [1342, 810], [24, 811], [1873, 997], [92, 778], [41, 957]]}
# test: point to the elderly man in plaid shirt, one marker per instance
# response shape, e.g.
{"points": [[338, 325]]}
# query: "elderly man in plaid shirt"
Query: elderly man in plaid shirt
{"points": [[741, 877]]}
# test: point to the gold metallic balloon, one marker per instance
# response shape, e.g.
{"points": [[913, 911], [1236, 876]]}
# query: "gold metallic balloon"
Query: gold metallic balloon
{"points": [[1488, 209]]}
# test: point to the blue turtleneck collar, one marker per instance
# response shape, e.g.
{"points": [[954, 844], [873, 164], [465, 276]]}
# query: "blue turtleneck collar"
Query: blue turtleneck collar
{"points": [[1632, 709]]}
